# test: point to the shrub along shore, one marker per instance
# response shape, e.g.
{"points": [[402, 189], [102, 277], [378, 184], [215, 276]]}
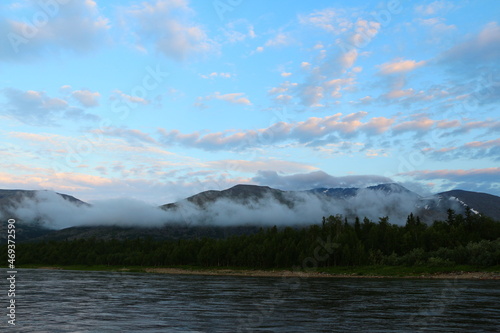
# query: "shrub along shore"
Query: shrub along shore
{"points": [[411, 272]]}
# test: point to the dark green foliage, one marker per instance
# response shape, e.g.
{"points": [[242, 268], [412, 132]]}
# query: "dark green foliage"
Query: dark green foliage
{"points": [[460, 240]]}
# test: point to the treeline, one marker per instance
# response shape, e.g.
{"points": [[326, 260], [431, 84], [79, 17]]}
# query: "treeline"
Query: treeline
{"points": [[460, 239]]}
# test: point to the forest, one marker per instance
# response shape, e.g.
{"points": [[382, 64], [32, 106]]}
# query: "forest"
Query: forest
{"points": [[467, 239]]}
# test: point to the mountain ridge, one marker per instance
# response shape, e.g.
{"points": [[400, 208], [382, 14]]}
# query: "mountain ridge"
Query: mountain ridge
{"points": [[246, 194]]}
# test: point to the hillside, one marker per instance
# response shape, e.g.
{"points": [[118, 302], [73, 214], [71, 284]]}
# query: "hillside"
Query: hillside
{"points": [[241, 209]]}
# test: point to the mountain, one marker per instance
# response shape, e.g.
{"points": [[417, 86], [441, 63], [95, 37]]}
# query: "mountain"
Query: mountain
{"points": [[344, 193], [241, 193], [482, 203], [11, 197], [238, 210]]}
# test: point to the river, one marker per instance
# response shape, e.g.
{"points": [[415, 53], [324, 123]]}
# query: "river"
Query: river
{"points": [[80, 301]]}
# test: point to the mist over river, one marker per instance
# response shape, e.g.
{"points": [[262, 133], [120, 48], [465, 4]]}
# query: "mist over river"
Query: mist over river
{"points": [[79, 301]]}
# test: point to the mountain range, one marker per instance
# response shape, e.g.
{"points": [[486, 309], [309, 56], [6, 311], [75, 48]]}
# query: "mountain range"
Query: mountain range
{"points": [[236, 210]]}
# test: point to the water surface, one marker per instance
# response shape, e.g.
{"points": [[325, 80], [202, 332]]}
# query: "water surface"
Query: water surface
{"points": [[78, 301]]}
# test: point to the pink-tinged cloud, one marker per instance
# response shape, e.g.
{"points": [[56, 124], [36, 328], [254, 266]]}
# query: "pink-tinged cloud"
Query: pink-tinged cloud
{"points": [[130, 98], [34, 137], [37, 108], [483, 144], [414, 125], [46, 179], [355, 116], [378, 125], [131, 135], [400, 66], [447, 124], [479, 175], [86, 98], [445, 150], [398, 93], [256, 165], [474, 125], [233, 98], [311, 132]]}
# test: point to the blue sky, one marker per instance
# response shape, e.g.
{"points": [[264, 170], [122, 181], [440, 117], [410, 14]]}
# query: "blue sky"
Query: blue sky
{"points": [[158, 100]]}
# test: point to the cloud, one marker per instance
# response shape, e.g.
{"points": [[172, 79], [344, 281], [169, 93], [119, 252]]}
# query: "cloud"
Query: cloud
{"points": [[333, 71], [37, 108], [364, 32], [131, 135], [313, 131], [55, 212], [337, 85], [439, 29], [483, 144], [282, 93], [70, 25], [167, 24], [378, 125], [310, 95], [315, 179], [479, 175], [489, 149], [400, 66], [216, 74], [257, 165], [330, 20], [479, 49], [238, 31], [233, 98], [129, 98], [491, 125], [417, 125], [434, 7], [281, 39], [86, 98]]}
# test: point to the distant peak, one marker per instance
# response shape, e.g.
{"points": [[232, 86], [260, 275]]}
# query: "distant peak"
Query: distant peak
{"points": [[248, 186]]}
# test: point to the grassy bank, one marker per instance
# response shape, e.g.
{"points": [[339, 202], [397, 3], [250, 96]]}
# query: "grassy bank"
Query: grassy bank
{"points": [[459, 271]]}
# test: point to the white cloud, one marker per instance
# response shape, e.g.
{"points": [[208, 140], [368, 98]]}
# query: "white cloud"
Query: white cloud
{"points": [[216, 74], [238, 31], [434, 7], [37, 108], [72, 25], [281, 39], [330, 20], [480, 49], [168, 25], [86, 97], [131, 99], [233, 98]]}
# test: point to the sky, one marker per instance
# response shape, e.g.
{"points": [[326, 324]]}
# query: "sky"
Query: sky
{"points": [[159, 100]]}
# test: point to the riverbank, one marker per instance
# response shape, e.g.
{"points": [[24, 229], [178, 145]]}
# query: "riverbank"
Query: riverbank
{"points": [[414, 272], [285, 273]]}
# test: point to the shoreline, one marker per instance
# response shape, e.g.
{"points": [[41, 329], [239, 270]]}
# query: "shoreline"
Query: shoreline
{"points": [[285, 273], [461, 275]]}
